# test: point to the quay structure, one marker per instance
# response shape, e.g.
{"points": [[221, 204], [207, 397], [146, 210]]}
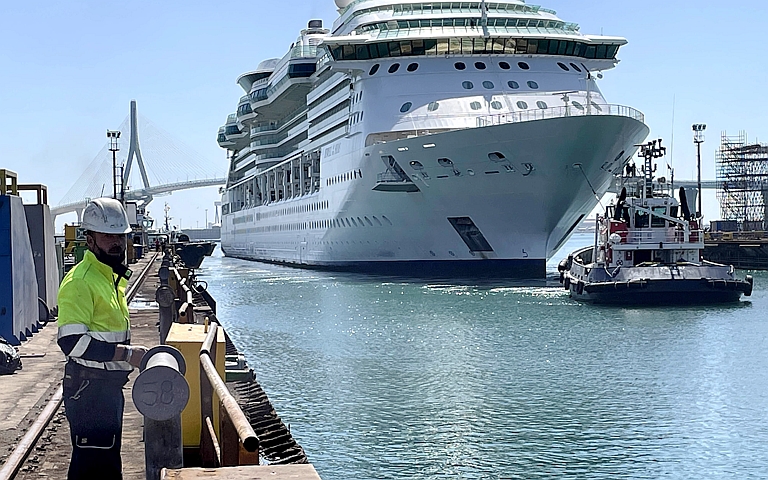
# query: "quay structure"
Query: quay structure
{"points": [[218, 420]]}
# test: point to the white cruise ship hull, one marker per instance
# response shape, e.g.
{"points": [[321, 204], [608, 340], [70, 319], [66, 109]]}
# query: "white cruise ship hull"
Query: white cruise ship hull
{"points": [[521, 208]]}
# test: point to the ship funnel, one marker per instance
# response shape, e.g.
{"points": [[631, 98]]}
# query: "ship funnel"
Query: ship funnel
{"points": [[315, 24]]}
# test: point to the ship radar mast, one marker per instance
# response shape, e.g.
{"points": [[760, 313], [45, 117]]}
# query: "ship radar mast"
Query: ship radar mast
{"points": [[650, 152]]}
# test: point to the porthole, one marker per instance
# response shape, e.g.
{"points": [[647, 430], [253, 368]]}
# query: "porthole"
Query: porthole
{"points": [[496, 157], [488, 85], [354, 223], [360, 221], [480, 65], [378, 222], [475, 106], [412, 67], [368, 221], [444, 162], [541, 104], [597, 107], [374, 69], [405, 107], [433, 106], [532, 85], [496, 105], [467, 85], [459, 66], [522, 105], [417, 165], [513, 84], [577, 105], [504, 65], [393, 68], [575, 67], [563, 66], [523, 66]]}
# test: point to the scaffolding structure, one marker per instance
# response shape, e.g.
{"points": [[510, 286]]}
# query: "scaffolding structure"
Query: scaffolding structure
{"points": [[742, 178]]}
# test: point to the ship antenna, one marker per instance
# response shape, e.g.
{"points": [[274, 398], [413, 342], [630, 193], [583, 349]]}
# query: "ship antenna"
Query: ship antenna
{"points": [[649, 152]]}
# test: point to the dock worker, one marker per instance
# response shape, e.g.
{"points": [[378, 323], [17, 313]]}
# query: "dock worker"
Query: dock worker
{"points": [[94, 334]]}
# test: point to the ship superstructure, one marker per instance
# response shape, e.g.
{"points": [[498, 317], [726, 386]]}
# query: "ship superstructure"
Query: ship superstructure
{"points": [[424, 137]]}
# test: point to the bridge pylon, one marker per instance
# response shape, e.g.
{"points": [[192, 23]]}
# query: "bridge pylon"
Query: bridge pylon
{"points": [[134, 150]]}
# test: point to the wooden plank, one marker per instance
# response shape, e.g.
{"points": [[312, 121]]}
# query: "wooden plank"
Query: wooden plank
{"points": [[255, 472]]}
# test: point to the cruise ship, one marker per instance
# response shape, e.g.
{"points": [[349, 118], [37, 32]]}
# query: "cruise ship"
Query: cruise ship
{"points": [[426, 138]]}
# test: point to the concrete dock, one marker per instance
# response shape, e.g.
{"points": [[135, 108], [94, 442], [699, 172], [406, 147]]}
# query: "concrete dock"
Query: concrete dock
{"points": [[25, 393]]}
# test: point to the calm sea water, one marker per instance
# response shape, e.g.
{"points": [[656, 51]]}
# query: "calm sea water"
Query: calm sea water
{"points": [[391, 379]]}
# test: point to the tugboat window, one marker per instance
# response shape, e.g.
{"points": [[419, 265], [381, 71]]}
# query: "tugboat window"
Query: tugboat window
{"points": [[406, 106], [374, 69], [513, 84], [658, 221], [641, 220]]}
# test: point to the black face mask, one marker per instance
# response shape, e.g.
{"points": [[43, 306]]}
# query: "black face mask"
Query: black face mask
{"points": [[114, 259]]}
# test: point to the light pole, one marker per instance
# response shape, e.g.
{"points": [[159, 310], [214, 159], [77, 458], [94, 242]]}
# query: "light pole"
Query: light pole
{"points": [[698, 139], [206, 218], [114, 137]]}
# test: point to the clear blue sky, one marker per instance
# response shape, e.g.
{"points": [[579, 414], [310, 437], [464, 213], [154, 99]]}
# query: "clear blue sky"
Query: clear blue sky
{"points": [[70, 69]]}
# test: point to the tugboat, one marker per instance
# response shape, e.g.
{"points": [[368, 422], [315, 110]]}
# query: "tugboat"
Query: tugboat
{"points": [[648, 249]]}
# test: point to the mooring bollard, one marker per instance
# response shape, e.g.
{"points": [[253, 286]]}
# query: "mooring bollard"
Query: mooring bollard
{"points": [[165, 299], [160, 393]]}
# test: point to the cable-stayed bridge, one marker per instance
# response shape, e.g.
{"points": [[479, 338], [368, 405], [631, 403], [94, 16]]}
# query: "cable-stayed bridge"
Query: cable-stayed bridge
{"points": [[162, 163]]}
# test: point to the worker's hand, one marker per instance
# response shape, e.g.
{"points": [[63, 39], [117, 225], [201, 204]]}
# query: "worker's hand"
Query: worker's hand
{"points": [[135, 354]]}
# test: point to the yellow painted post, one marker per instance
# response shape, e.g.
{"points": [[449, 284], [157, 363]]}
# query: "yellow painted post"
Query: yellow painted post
{"points": [[188, 338]]}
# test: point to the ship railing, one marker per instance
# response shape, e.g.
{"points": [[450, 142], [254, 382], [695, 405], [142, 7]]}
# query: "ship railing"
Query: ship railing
{"points": [[560, 112], [304, 51], [390, 177], [652, 237]]}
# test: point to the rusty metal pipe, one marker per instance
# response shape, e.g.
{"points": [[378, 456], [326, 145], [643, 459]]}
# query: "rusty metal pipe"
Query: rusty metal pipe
{"points": [[244, 430]]}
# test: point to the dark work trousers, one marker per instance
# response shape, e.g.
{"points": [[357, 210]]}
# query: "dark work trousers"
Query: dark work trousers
{"points": [[94, 408]]}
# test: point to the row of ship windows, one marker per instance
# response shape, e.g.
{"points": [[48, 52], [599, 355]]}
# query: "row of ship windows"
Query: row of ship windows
{"points": [[344, 177], [348, 222], [412, 67], [497, 105], [309, 207]]}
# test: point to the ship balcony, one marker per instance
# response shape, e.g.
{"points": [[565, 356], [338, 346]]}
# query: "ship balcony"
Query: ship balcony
{"points": [[244, 110], [392, 182], [560, 112], [222, 139], [658, 238]]}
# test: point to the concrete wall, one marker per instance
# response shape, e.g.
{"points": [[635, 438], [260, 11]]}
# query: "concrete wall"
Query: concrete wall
{"points": [[41, 236]]}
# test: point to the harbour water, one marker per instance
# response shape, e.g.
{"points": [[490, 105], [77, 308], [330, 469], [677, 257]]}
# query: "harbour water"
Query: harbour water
{"points": [[393, 379]]}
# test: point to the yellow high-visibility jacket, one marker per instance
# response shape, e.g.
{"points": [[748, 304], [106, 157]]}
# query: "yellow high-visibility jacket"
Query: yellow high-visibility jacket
{"points": [[93, 315]]}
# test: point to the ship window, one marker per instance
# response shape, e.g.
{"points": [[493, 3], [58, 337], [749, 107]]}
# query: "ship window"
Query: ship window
{"points": [[533, 85], [522, 105], [353, 221], [467, 85], [563, 66], [658, 221], [575, 67], [641, 220], [405, 107], [433, 106], [541, 104], [378, 222], [513, 84], [577, 105], [393, 68], [444, 162], [496, 157], [368, 221], [523, 66], [459, 66], [599, 109], [496, 105], [416, 164], [374, 69], [480, 65], [412, 67], [504, 65], [488, 85], [475, 106]]}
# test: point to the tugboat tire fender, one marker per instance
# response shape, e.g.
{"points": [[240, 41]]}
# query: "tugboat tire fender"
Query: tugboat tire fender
{"points": [[567, 282], [750, 281]]}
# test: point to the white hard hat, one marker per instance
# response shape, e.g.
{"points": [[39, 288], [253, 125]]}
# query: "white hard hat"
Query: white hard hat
{"points": [[106, 215]]}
